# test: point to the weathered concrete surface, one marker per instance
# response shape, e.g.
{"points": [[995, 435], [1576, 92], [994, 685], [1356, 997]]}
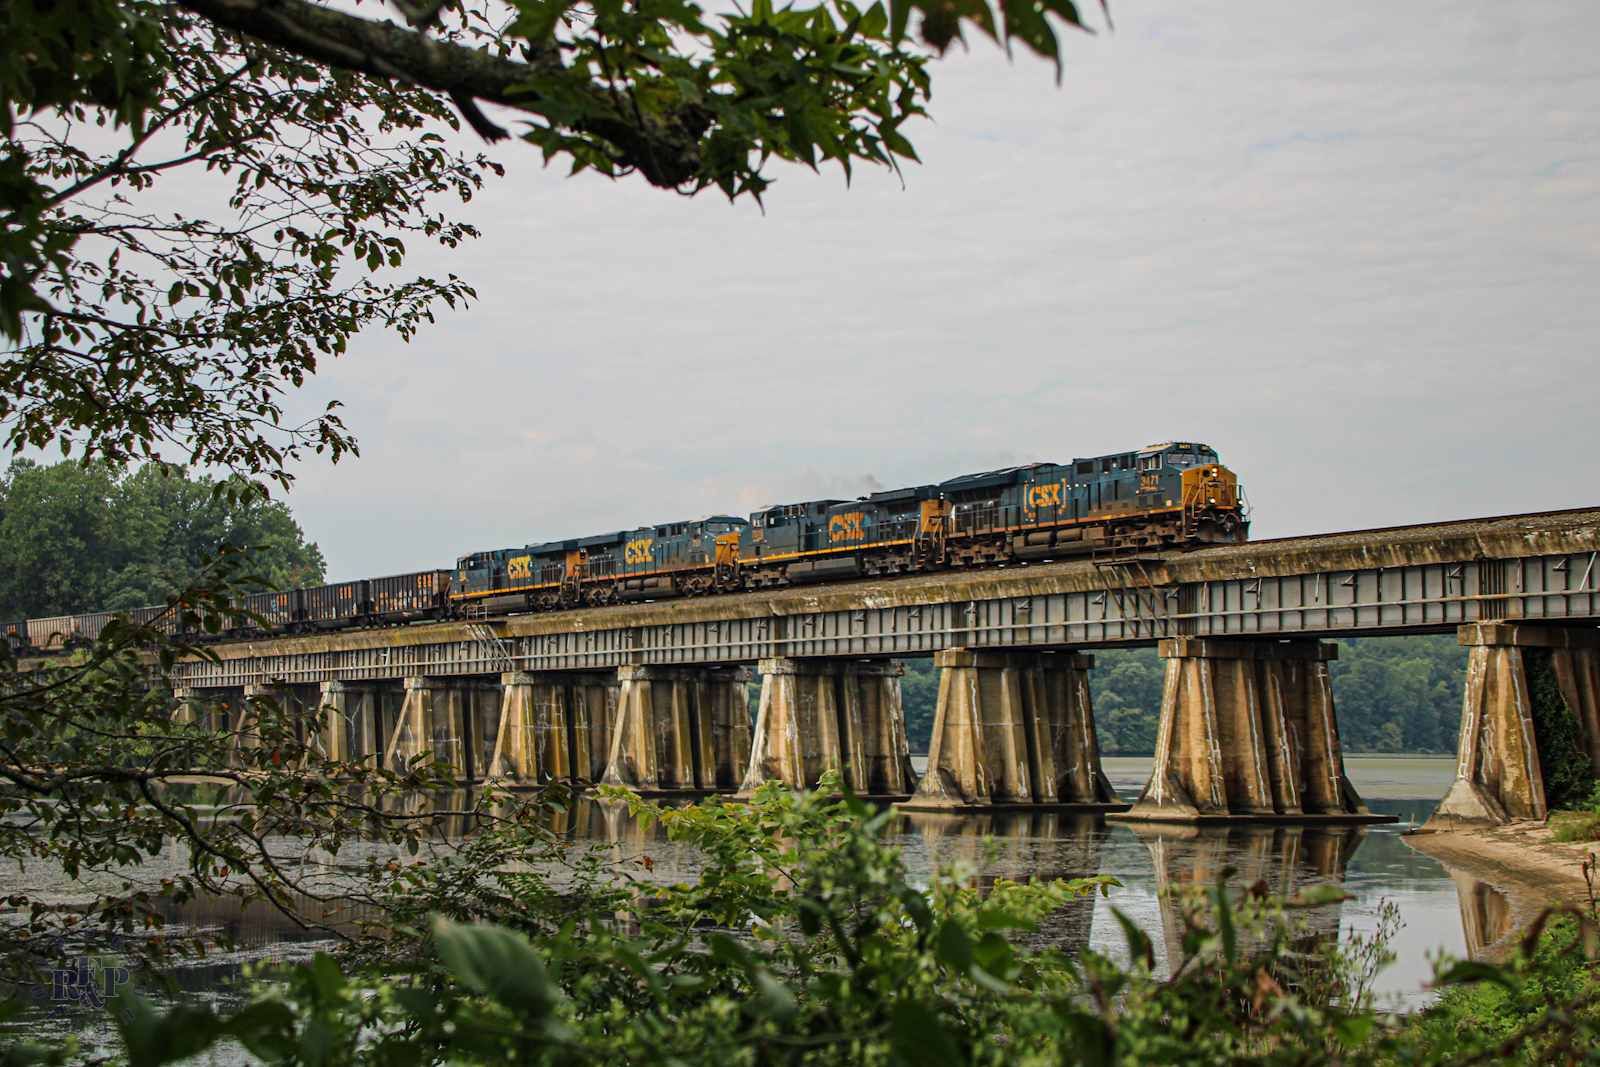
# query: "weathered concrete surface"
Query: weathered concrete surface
{"points": [[1012, 728], [347, 730], [821, 715], [1498, 777], [554, 725], [424, 727], [680, 728], [1247, 730]]}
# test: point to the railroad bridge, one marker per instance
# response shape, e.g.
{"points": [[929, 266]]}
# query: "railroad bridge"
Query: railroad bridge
{"points": [[654, 695]]}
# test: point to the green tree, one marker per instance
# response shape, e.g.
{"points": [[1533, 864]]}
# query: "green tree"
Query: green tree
{"points": [[155, 333], [1125, 689], [1399, 694], [77, 538], [919, 695]]}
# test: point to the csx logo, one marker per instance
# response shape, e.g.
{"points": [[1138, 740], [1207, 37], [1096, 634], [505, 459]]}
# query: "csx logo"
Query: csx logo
{"points": [[847, 527], [1045, 496], [638, 551], [520, 567]]}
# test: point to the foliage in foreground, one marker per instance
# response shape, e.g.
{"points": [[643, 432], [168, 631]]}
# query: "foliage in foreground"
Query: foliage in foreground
{"points": [[103, 769], [1580, 823], [803, 942]]}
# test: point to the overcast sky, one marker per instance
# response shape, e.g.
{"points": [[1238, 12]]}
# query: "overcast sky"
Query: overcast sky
{"points": [[1353, 247]]}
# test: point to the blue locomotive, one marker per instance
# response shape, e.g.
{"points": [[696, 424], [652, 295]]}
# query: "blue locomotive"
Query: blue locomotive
{"points": [[1173, 495]]}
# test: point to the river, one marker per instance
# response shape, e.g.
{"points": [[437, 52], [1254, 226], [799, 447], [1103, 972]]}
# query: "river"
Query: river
{"points": [[1374, 863]]}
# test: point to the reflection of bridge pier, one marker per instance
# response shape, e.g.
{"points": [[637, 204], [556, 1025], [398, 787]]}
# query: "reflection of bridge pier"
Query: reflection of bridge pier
{"points": [[1287, 859], [1021, 846], [1485, 912]]}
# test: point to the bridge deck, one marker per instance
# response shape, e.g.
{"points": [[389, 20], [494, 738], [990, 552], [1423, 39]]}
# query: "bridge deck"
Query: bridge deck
{"points": [[1408, 579]]}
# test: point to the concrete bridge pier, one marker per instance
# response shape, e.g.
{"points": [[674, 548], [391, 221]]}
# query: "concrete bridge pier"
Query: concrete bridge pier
{"points": [[680, 729], [1247, 731], [1498, 775], [1013, 728], [349, 724], [553, 725], [448, 721], [818, 715]]}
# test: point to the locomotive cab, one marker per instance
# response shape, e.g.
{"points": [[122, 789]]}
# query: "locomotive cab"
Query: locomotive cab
{"points": [[1213, 505]]}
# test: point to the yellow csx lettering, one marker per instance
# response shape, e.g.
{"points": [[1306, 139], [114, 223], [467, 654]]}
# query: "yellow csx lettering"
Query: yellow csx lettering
{"points": [[1044, 496], [638, 551], [847, 527], [519, 568]]}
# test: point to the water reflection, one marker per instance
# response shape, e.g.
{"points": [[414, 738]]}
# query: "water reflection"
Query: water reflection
{"points": [[1280, 860], [1441, 910], [1485, 912]]}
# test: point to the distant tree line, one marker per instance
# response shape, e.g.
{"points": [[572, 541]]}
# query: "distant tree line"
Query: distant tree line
{"points": [[77, 538], [1393, 694]]}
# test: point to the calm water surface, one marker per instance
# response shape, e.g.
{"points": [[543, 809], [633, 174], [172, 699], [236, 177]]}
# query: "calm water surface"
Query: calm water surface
{"points": [[1374, 863]]}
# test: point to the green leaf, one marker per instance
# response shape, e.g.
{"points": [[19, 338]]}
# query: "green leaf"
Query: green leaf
{"points": [[916, 905], [499, 963], [1140, 948], [918, 1038], [999, 919], [152, 1040], [955, 947], [994, 954], [1353, 1030], [1315, 896], [1464, 971]]}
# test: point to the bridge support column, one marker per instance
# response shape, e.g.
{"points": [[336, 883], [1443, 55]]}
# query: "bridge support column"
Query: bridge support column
{"points": [[1499, 778], [818, 715], [1247, 730], [190, 705], [432, 721], [680, 728], [553, 725], [347, 733], [1013, 728], [243, 723]]}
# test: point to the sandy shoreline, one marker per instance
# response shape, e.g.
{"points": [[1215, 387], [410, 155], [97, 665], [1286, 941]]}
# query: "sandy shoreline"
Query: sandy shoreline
{"points": [[1520, 861]]}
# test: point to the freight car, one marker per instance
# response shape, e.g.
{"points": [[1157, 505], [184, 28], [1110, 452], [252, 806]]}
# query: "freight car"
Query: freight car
{"points": [[1173, 495]]}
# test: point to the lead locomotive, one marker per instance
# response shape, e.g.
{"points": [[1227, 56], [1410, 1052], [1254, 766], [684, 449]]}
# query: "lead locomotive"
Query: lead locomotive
{"points": [[1170, 495], [1174, 495]]}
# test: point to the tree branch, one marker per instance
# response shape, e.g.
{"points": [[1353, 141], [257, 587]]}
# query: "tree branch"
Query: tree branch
{"points": [[664, 148]]}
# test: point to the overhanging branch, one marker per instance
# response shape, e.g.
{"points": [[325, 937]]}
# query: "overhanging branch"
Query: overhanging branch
{"points": [[664, 148]]}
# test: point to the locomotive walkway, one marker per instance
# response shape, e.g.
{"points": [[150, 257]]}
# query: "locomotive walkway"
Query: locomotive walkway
{"points": [[654, 695]]}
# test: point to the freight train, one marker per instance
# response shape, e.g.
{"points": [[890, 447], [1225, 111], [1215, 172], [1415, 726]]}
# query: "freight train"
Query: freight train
{"points": [[1173, 495]]}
